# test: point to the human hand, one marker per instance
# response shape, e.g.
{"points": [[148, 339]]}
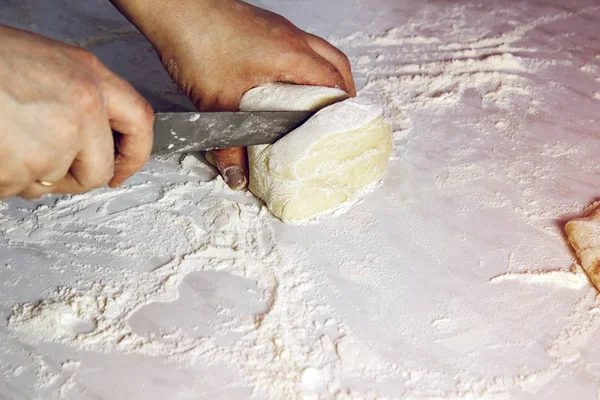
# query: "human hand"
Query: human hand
{"points": [[217, 50], [59, 104]]}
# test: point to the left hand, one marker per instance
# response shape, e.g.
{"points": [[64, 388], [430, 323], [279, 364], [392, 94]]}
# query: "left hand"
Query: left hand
{"points": [[216, 50]]}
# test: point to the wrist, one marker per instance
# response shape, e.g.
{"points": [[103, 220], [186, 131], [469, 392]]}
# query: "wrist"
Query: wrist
{"points": [[155, 18], [141, 13]]}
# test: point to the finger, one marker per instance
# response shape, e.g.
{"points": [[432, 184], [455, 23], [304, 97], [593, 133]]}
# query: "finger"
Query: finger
{"points": [[132, 117], [12, 189], [48, 177], [35, 191], [38, 189], [93, 166], [335, 57], [303, 69], [233, 166]]}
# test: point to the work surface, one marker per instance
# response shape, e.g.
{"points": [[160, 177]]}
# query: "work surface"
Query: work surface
{"points": [[453, 280]]}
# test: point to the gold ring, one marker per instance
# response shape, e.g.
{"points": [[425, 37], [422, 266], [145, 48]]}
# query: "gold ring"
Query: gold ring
{"points": [[46, 183]]}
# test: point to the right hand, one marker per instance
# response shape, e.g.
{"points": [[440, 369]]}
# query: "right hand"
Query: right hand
{"points": [[215, 51], [58, 107]]}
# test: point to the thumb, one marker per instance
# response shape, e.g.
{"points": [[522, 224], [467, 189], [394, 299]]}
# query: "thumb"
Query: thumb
{"points": [[232, 165]]}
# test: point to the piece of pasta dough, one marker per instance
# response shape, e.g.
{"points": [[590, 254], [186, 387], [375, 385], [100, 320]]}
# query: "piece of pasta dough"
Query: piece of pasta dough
{"points": [[584, 236], [327, 161]]}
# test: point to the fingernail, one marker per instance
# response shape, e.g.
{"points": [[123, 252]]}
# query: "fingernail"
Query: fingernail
{"points": [[234, 177], [210, 158]]}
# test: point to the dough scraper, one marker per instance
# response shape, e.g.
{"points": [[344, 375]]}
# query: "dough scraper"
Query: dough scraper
{"points": [[197, 131]]}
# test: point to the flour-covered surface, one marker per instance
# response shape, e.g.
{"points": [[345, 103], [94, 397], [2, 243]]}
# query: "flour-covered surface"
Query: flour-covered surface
{"points": [[453, 280]]}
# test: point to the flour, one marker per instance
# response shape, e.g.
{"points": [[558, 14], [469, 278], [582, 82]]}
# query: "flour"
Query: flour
{"points": [[564, 279], [451, 282], [276, 353]]}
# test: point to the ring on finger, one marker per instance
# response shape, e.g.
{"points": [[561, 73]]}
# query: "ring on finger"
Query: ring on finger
{"points": [[46, 183]]}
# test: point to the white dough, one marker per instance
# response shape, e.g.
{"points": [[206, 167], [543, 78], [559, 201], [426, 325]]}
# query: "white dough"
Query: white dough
{"points": [[327, 161], [286, 97]]}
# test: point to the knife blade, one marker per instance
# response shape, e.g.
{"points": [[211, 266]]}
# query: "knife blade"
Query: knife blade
{"points": [[194, 131]]}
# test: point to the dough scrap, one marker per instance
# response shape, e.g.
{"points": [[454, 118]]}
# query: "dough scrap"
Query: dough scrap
{"points": [[286, 97], [584, 236], [326, 162]]}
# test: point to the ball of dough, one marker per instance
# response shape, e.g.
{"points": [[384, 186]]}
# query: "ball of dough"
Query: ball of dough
{"points": [[326, 162]]}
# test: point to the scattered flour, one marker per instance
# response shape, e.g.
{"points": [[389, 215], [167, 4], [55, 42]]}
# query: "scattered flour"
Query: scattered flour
{"points": [[566, 279], [276, 352], [133, 247]]}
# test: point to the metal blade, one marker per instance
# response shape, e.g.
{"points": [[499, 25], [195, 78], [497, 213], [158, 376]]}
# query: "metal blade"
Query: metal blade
{"points": [[193, 131]]}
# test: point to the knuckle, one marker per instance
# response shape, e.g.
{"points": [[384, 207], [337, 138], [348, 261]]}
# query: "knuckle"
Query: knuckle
{"points": [[85, 93], [346, 61], [100, 179], [89, 60], [296, 42], [280, 22], [63, 127], [92, 176], [285, 32], [147, 115], [95, 182]]}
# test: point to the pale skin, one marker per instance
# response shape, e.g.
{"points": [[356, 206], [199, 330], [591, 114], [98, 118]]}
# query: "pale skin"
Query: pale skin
{"points": [[60, 104]]}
